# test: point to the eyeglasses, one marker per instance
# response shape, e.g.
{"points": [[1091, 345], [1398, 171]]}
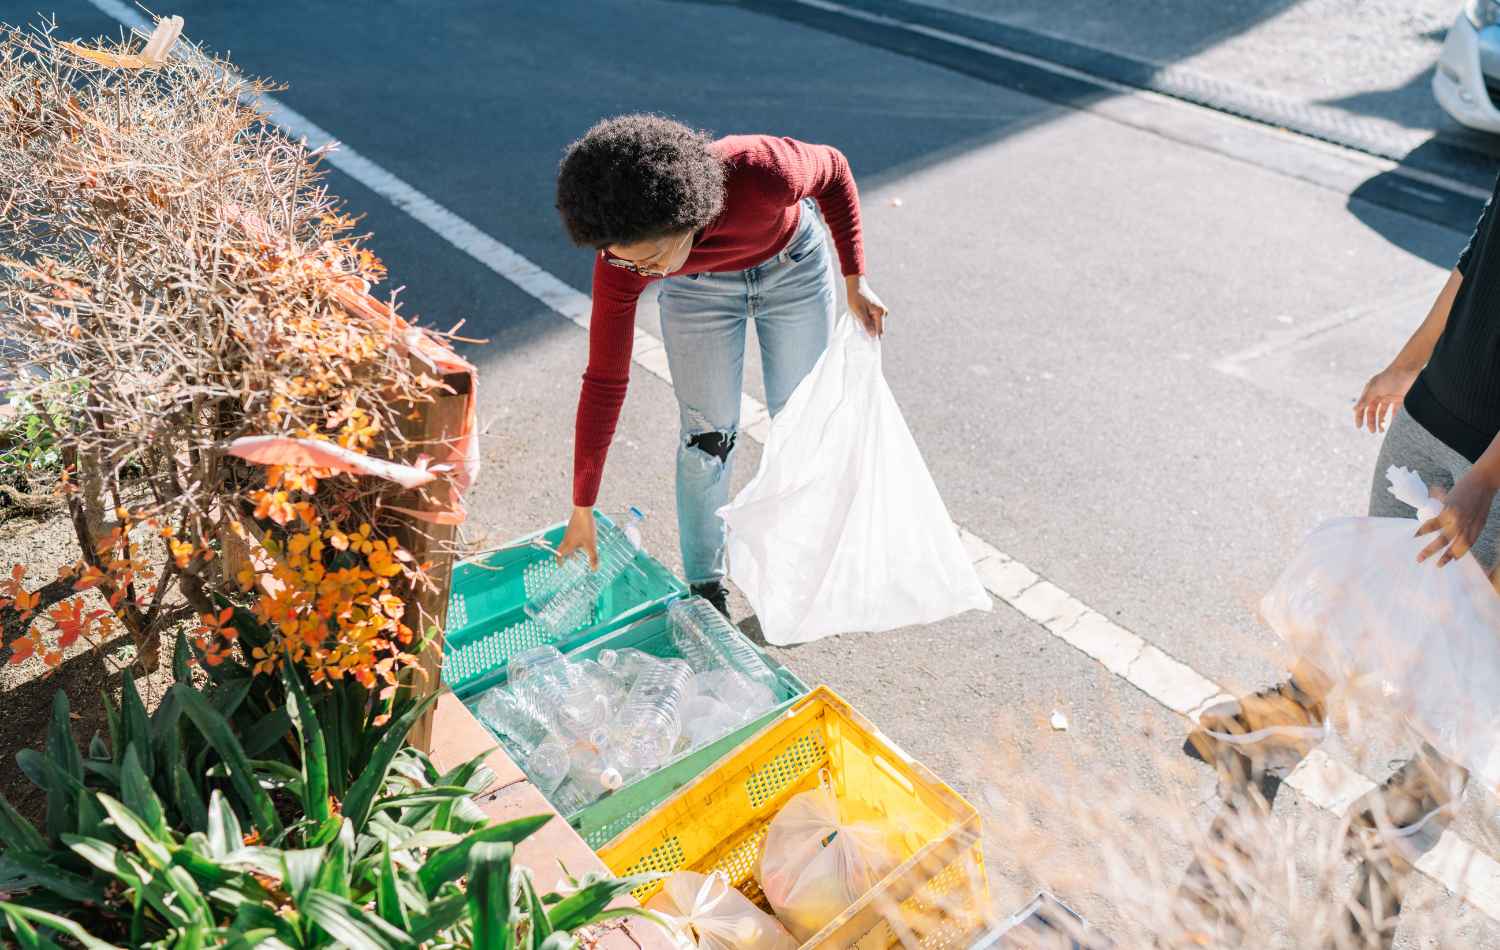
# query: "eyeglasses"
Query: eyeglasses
{"points": [[636, 268], [631, 266]]}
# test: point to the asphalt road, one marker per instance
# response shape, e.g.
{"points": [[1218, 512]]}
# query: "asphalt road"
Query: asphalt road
{"points": [[1370, 58], [1126, 335]]}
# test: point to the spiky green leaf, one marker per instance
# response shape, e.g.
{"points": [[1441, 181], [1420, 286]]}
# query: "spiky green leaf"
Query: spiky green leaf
{"points": [[137, 725], [593, 897], [314, 749], [362, 793], [541, 925], [62, 925], [267, 731], [439, 916], [221, 736], [333, 876], [352, 926], [491, 907], [447, 864], [115, 726], [62, 757], [139, 797], [129, 824], [181, 671], [388, 902], [189, 799], [18, 832]]}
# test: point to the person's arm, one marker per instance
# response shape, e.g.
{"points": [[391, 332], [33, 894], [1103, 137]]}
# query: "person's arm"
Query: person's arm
{"points": [[1387, 388], [611, 340], [821, 172]]}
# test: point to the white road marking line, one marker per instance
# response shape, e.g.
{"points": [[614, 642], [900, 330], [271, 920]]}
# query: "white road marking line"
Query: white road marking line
{"points": [[1328, 783], [1455, 864]]}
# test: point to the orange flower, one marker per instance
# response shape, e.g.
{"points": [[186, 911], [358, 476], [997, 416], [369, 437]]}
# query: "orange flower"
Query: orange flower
{"points": [[182, 552], [273, 505]]}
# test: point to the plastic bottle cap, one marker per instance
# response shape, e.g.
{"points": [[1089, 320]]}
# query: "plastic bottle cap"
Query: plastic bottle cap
{"points": [[611, 778]]}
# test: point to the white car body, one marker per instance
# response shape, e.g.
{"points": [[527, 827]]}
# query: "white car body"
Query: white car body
{"points": [[1458, 83]]}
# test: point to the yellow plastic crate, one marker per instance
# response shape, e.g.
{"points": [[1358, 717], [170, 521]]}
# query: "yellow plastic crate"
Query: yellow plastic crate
{"points": [[937, 897]]}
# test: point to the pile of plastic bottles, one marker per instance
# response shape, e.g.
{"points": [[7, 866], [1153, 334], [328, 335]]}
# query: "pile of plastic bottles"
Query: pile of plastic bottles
{"points": [[582, 728]]}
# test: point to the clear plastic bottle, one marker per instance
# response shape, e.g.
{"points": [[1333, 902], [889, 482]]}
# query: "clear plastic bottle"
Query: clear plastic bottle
{"points": [[518, 725], [544, 757], [544, 679], [627, 664], [569, 797], [592, 772], [605, 683], [647, 729], [709, 642], [566, 598]]}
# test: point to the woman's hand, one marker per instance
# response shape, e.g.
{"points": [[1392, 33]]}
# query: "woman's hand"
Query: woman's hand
{"points": [[580, 536], [1382, 396], [1465, 510], [865, 306]]}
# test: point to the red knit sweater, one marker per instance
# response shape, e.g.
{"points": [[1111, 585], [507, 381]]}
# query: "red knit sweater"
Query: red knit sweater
{"points": [[766, 177]]}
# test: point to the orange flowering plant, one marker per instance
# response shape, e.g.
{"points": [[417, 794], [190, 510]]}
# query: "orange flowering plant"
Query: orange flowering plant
{"points": [[320, 597]]}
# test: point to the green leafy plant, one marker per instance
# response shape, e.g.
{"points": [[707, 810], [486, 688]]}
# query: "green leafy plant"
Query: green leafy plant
{"points": [[30, 449], [170, 833]]}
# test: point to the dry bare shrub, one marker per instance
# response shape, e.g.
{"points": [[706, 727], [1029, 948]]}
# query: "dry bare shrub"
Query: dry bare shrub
{"points": [[180, 265], [1165, 863]]}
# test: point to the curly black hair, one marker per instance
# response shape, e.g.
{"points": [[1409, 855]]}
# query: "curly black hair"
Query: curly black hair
{"points": [[638, 177]]}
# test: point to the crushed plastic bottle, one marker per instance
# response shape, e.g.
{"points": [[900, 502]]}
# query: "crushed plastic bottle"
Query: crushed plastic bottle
{"points": [[709, 642], [567, 596], [705, 719], [649, 726], [737, 692], [554, 687], [544, 757]]}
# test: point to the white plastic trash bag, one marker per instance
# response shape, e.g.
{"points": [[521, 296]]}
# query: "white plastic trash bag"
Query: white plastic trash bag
{"points": [[842, 529], [705, 911], [1355, 602], [814, 862]]}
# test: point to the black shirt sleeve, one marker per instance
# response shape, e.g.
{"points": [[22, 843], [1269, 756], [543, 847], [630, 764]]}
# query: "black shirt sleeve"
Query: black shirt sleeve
{"points": [[1479, 228]]}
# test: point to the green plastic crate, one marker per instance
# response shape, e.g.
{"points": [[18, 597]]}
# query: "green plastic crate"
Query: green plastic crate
{"points": [[612, 814], [487, 622]]}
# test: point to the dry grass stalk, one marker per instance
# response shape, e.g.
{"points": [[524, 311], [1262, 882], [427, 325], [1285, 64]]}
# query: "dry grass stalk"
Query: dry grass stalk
{"points": [[1162, 869]]}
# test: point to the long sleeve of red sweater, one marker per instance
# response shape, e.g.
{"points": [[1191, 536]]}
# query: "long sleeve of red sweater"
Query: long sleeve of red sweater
{"points": [[766, 179]]}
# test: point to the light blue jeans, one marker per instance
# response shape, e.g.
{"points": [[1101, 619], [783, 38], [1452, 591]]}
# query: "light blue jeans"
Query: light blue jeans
{"points": [[792, 298]]}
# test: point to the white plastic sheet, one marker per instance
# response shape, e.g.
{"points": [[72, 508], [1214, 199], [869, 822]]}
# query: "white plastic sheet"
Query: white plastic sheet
{"points": [[1355, 602], [842, 528], [706, 912], [814, 862]]}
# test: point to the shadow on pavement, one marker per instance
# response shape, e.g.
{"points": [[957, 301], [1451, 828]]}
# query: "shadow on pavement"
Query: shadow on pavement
{"points": [[1375, 200]]}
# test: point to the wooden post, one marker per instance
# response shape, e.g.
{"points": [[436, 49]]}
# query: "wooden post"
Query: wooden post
{"points": [[437, 422]]}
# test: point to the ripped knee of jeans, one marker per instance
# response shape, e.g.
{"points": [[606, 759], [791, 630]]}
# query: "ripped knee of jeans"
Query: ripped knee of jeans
{"points": [[715, 444]]}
